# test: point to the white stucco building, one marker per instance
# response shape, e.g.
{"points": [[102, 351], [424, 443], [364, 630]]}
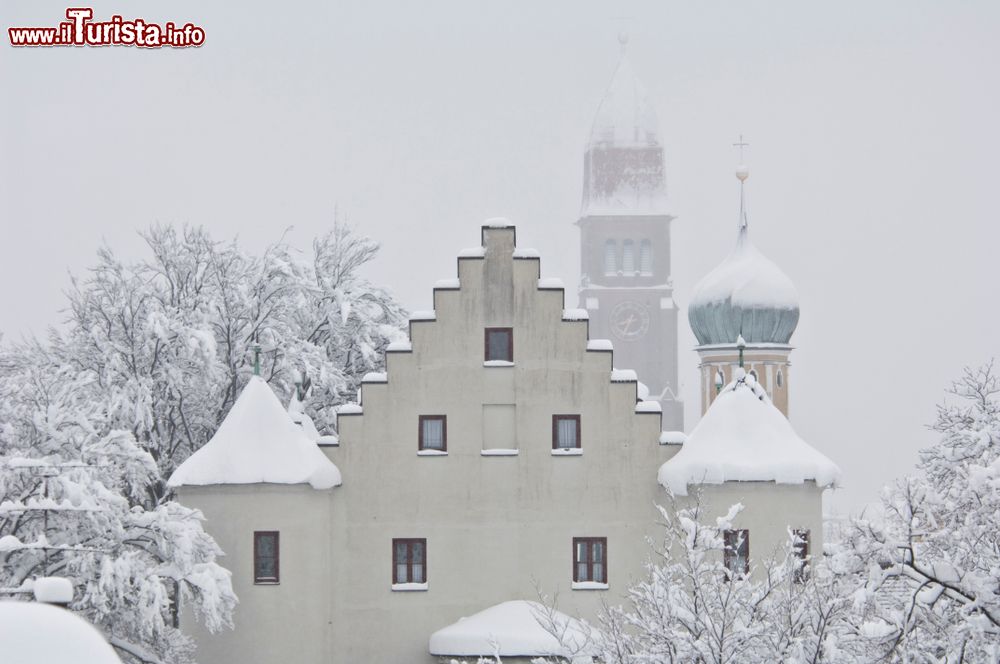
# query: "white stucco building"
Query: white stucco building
{"points": [[501, 453]]}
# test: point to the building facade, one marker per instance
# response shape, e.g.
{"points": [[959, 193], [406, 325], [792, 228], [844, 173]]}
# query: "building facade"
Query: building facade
{"points": [[626, 283], [499, 455]]}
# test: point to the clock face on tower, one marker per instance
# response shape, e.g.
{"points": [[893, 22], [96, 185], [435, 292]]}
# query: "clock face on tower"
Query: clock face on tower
{"points": [[629, 320]]}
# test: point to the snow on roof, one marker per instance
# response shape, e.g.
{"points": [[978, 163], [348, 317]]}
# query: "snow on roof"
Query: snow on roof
{"points": [[448, 283], [257, 442], [744, 438], [423, 315], [599, 344], [648, 407], [625, 117], [297, 411], [624, 376], [472, 252], [53, 590], [526, 253], [673, 438], [748, 278], [398, 346], [575, 314], [551, 282], [36, 632], [510, 629], [498, 222]]}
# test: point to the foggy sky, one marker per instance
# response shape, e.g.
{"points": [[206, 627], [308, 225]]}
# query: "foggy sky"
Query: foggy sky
{"points": [[873, 152]]}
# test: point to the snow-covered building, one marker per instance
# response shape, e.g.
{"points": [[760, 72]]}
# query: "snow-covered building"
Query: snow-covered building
{"points": [[626, 284], [500, 452]]}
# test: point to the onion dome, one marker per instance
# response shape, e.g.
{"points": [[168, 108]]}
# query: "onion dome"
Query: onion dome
{"points": [[746, 295]]}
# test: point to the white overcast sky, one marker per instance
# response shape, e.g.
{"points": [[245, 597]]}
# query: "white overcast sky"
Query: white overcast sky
{"points": [[874, 155]]}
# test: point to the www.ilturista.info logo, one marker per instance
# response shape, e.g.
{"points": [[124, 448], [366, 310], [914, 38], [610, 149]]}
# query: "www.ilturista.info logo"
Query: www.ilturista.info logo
{"points": [[80, 30]]}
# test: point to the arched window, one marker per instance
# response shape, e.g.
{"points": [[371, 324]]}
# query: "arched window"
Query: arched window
{"points": [[610, 258], [628, 258], [780, 379], [646, 258]]}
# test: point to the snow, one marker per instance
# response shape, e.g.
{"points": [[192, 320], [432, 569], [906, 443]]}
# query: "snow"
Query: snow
{"points": [[498, 222], [673, 438], [600, 344], [551, 283], [589, 585], [743, 437], [472, 252], [53, 590], [642, 390], [624, 376], [747, 279], [399, 346], [575, 314], [296, 410], [375, 377], [516, 628], [567, 451], [423, 315], [328, 440], [448, 283], [350, 409], [648, 407], [409, 587], [526, 253], [431, 453], [499, 452], [498, 363], [257, 442], [34, 633]]}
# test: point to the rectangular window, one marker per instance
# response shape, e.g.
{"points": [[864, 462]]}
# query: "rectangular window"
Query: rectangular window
{"points": [[565, 432], [433, 433], [499, 344], [737, 553], [409, 561], [265, 556], [590, 559], [800, 551]]}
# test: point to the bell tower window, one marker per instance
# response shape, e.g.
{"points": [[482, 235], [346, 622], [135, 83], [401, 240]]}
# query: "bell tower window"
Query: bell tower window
{"points": [[646, 258], [628, 258], [610, 258]]}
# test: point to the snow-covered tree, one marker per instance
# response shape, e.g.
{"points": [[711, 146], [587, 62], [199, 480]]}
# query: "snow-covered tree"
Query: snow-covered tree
{"points": [[931, 564], [169, 338], [74, 502], [691, 608]]}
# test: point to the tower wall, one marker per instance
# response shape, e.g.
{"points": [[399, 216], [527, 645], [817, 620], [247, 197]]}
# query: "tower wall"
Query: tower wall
{"points": [[770, 364]]}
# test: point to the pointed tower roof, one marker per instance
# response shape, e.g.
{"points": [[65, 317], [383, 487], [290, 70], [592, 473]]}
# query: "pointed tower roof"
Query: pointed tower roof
{"points": [[258, 442], [744, 438], [625, 117]]}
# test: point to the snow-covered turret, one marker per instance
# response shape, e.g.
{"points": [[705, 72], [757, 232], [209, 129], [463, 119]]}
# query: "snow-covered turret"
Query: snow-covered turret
{"points": [[744, 438], [258, 442], [747, 298]]}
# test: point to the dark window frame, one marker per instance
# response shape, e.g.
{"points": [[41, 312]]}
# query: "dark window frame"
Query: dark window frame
{"points": [[444, 433], [510, 344], [800, 550], [258, 578], [409, 542], [555, 431], [730, 555], [588, 543]]}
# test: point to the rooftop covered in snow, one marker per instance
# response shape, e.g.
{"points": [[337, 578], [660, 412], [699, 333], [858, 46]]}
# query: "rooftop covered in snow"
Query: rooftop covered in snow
{"points": [[744, 438], [258, 442], [516, 628]]}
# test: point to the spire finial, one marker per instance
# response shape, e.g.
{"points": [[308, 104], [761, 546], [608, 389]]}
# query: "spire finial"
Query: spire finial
{"points": [[623, 40], [742, 173], [256, 357]]}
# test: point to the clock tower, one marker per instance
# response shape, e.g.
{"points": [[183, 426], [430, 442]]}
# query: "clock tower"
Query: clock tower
{"points": [[624, 225]]}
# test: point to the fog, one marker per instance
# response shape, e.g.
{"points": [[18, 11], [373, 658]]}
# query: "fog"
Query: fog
{"points": [[873, 155]]}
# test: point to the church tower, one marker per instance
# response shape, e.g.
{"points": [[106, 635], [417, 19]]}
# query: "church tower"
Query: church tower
{"points": [[744, 312], [624, 223]]}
